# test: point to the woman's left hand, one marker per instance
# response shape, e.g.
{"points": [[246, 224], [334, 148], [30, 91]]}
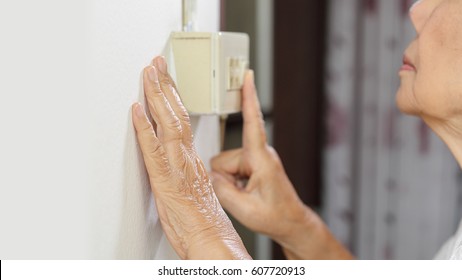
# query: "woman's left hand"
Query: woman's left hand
{"points": [[191, 216]]}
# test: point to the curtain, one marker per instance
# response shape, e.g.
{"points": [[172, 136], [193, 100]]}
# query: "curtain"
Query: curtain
{"points": [[392, 190]]}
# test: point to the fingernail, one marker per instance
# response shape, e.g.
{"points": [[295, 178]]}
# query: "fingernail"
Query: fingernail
{"points": [[161, 64], [139, 110], [152, 74], [252, 76]]}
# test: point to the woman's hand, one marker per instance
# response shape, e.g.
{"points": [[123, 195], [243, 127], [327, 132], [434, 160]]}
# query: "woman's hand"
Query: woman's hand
{"points": [[268, 202], [252, 185], [191, 216]]}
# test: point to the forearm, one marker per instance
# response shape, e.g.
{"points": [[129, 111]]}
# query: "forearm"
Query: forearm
{"points": [[310, 238]]}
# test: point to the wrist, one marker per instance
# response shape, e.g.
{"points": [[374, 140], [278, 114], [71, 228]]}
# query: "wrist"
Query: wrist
{"points": [[299, 226], [218, 249], [310, 238], [219, 241], [222, 246]]}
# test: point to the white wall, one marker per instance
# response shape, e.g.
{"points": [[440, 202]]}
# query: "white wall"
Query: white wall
{"points": [[72, 183]]}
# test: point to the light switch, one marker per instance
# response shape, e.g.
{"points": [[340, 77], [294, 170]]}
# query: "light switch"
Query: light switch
{"points": [[209, 70]]}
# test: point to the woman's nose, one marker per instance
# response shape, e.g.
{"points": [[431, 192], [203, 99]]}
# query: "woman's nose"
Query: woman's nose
{"points": [[420, 12]]}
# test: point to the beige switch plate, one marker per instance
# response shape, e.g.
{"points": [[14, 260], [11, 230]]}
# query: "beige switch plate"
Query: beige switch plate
{"points": [[209, 70]]}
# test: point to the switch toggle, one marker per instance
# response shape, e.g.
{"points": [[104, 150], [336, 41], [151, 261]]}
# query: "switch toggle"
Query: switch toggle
{"points": [[236, 71]]}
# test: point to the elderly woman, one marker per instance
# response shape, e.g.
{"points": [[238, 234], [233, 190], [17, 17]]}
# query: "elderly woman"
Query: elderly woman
{"points": [[190, 209]]}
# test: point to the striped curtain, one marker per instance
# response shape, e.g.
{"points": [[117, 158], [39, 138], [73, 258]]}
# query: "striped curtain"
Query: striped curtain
{"points": [[392, 188]]}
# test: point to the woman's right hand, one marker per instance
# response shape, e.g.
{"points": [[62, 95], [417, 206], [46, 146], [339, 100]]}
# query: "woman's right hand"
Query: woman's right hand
{"points": [[252, 185], [267, 203]]}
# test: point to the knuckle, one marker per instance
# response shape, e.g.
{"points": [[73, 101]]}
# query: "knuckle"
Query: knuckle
{"points": [[164, 80], [184, 114], [154, 94], [148, 141], [156, 149], [257, 120], [271, 151], [156, 154], [171, 81], [174, 123], [215, 160], [262, 135], [273, 157], [156, 89], [182, 109], [146, 69], [144, 127]]}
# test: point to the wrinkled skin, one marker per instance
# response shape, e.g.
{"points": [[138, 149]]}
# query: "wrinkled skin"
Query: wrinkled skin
{"points": [[268, 202], [433, 89], [253, 186], [251, 182], [190, 214]]}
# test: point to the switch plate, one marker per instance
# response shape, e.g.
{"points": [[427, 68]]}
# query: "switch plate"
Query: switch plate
{"points": [[209, 70]]}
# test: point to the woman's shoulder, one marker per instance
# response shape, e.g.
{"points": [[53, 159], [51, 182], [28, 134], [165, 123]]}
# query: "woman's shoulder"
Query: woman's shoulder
{"points": [[452, 249]]}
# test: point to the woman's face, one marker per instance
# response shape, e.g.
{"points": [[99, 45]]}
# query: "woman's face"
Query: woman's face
{"points": [[431, 77]]}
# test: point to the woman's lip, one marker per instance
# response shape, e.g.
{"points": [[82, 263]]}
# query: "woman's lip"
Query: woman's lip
{"points": [[407, 67], [407, 64]]}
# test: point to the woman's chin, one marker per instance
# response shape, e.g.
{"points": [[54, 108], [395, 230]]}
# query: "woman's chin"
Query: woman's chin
{"points": [[404, 103]]}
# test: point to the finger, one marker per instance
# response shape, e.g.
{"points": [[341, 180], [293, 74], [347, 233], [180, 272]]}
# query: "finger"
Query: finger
{"points": [[228, 162], [153, 153], [254, 128], [228, 194], [168, 125], [170, 90]]}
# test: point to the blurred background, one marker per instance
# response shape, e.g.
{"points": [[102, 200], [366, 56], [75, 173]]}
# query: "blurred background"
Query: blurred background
{"points": [[327, 73]]}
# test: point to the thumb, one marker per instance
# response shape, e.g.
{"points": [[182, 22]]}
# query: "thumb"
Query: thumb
{"points": [[228, 194]]}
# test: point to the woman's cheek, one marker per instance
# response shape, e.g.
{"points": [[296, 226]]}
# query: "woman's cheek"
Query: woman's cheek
{"points": [[432, 96]]}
